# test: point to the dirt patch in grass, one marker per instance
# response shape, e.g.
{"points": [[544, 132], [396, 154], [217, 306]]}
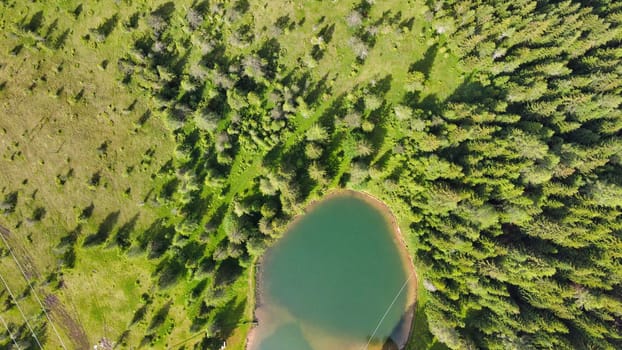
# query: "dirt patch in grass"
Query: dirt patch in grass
{"points": [[72, 328]]}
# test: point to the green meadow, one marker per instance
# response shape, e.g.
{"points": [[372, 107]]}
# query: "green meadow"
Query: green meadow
{"points": [[151, 151]]}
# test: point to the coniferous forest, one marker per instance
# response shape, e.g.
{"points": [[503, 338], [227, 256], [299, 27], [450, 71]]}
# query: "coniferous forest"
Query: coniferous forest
{"points": [[152, 150]]}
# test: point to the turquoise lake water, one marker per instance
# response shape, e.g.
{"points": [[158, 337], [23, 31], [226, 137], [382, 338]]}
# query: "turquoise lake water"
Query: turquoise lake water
{"points": [[328, 282]]}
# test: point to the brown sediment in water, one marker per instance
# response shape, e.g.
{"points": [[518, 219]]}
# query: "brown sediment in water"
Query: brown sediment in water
{"points": [[405, 327]]}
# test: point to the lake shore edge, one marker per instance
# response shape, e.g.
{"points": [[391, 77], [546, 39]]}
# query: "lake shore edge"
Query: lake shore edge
{"points": [[396, 233]]}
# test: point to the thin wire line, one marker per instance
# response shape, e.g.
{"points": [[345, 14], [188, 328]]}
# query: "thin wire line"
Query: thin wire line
{"points": [[387, 311], [8, 330], [33, 292], [21, 311]]}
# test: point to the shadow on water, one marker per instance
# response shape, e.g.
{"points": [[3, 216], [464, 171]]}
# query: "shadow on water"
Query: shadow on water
{"points": [[390, 345], [401, 334]]}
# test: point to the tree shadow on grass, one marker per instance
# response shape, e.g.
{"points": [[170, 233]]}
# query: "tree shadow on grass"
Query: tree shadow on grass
{"points": [[382, 86], [106, 28], [337, 107], [215, 220], [157, 237], [160, 316], [207, 265], [104, 230], [169, 271], [432, 104], [165, 11], [228, 271], [9, 203], [315, 92], [378, 117], [424, 65], [147, 340], [229, 317], [122, 238], [139, 314], [471, 90], [199, 288], [192, 252], [70, 238], [197, 207], [35, 23], [59, 41], [202, 316], [87, 212]]}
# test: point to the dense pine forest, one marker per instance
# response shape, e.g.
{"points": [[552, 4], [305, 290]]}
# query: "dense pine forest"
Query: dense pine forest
{"points": [[520, 213], [152, 151]]}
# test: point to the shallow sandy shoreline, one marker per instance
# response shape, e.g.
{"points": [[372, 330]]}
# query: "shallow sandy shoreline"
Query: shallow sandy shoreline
{"points": [[397, 237]]}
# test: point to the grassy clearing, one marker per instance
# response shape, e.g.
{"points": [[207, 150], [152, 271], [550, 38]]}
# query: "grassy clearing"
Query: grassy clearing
{"points": [[72, 138]]}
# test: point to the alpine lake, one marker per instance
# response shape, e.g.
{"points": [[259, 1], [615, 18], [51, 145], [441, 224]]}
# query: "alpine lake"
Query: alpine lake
{"points": [[339, 278]]}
